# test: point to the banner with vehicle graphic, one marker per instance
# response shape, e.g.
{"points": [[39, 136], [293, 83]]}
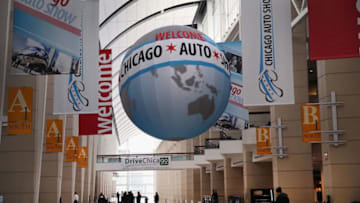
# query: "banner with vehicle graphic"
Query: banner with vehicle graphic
{"points": [[46, 37], [267, 52], [77, 93], [236, 115]]}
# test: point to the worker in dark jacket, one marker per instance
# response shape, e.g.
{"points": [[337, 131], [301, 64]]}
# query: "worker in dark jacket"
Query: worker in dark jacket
{"points": [[281, 197]]}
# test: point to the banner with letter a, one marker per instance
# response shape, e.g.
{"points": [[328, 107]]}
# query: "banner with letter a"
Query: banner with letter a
{"points": [[101, 122], [267, 52], [310, 120], [20, 101], [263, 143], [71, 149], [54, 136], [334, 29], [83, 159]]}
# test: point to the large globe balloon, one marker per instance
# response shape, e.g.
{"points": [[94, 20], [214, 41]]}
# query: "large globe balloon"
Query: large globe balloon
{"points": [[174, 83]]}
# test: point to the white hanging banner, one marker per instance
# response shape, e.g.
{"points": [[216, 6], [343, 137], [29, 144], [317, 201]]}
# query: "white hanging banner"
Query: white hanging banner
{"points": [[77, 93], [267, 52]]}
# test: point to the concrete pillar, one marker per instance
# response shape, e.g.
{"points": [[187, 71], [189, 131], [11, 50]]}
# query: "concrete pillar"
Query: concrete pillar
{"points": [[51, 177], [204, 182], [79, 182], [87, 197], [69, 168], [196, 185], [341, 178], [295, 173], [216, 180], [5, 57], [256, 175], [21, 155], [52, 163], [93, 174], [233, 180]]}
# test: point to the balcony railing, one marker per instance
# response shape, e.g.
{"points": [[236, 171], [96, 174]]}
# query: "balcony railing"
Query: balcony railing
{"points": [[117, 158]]}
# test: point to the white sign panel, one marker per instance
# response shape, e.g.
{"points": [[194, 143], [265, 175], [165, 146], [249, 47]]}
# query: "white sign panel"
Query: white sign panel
{"points": [[77, 93], [160, 162], [267, 52]]}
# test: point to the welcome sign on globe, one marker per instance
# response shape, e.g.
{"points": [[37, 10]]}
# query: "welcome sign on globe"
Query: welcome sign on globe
{"points": [[174, 83]]}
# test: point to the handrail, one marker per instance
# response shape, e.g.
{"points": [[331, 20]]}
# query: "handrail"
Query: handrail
{"points": [[153, 154]]}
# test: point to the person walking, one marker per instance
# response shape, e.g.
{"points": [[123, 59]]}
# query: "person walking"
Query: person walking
{"points": [[118, 197], [214, 197], [138, 197], [102, 198], [76, 197], [131, 197], [156, 197], [281, 196]]}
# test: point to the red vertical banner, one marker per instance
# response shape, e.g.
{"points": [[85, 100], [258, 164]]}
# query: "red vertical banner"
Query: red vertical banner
{"points": [[334, 29], [100, 123]]}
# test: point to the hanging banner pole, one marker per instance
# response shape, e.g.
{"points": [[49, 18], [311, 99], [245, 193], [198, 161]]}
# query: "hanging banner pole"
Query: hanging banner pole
{"points": [[4, 69], [334, 131]]}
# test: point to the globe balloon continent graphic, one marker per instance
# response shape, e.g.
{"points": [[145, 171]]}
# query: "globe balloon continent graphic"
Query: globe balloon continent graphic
{"points": [[174, 83]]}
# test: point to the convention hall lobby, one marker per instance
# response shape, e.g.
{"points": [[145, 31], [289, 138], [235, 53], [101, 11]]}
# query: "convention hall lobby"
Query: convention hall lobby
{"points": [[180, 101]]}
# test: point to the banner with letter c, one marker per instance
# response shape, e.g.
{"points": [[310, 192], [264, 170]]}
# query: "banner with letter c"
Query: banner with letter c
{"points": [[267, 52]]}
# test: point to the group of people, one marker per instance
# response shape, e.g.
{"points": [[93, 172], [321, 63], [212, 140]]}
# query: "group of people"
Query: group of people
{"points": [[128, 197]]}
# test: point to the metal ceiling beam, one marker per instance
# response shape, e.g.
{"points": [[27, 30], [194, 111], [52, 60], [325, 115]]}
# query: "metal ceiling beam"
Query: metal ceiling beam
{"points": [[148, 18], [116, 12], [301, 11]]}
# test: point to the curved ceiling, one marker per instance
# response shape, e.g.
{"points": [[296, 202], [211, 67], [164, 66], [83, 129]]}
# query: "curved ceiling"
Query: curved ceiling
{"points": [[122, 22]]}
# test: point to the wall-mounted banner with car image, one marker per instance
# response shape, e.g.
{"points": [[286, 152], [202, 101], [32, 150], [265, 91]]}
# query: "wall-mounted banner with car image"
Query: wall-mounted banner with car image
{"points": [[77, 93], [236, 115], [46, 37], [267, 52]]}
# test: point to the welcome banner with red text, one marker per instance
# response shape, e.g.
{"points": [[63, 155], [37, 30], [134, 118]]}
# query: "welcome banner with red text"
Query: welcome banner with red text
{"points": [[100, 123]]}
